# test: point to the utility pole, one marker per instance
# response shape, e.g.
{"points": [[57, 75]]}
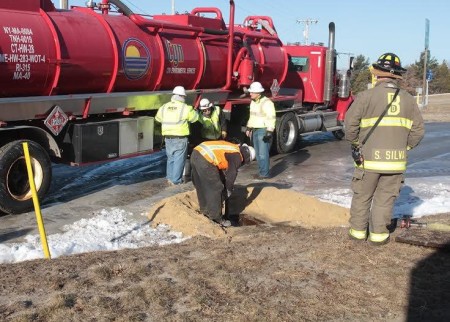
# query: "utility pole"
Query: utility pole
{"points": [[425, 61], [173, 7], [307, 22]]}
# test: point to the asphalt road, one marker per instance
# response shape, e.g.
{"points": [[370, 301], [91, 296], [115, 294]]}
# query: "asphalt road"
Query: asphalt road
{"points": [[321, 162]]}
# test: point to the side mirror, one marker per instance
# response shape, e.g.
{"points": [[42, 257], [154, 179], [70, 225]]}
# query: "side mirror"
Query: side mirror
{"points": [[351, 65]]}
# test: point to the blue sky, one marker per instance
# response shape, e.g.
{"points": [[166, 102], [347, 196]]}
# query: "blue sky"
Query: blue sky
{"points": [[362, 28]]}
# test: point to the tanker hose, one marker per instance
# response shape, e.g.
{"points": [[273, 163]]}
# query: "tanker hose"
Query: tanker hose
{"points": [[267, 26], [215, 32], [122, 7]]}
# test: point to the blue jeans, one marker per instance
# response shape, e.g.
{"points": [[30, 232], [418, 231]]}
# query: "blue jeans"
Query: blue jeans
{"points": [[262, 151], [176, 151]]}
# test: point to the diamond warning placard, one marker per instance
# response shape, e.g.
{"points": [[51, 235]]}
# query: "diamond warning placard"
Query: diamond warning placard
{"points": [[56, 120]]}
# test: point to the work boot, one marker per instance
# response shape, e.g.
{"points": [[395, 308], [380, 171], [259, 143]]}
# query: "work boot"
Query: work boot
{"points": [[373, 243], [357, 235], [393, 224], [378, 239], [224, 223], [171, 184]]}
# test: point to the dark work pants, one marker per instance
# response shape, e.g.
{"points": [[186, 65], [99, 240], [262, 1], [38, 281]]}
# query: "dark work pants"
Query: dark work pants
{"points": [[209, 186]]}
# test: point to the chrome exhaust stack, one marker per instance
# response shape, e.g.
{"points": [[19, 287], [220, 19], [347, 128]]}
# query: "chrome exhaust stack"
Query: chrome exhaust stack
{"points": [[330, 68]]}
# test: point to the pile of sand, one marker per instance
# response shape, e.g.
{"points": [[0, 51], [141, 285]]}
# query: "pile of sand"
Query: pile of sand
{"points": [[268, 204]]}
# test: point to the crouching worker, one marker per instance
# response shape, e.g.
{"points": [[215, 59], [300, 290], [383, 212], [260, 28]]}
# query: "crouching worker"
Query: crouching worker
{"points": [[214, 168]]}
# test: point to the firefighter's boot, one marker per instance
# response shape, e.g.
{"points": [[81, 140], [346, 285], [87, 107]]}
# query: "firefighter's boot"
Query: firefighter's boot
{"points": [[358, 235], [378, 239]]}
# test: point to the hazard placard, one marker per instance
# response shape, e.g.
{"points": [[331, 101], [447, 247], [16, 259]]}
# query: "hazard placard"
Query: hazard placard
{"points": [[56, 120]]}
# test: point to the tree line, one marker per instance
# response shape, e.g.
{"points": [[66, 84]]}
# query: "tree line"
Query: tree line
{"points": [[412, 79]]}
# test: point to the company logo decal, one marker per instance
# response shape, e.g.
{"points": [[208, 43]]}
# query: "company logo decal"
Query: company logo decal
{"points": [[175, 56], [174, 53], [136, 60]]}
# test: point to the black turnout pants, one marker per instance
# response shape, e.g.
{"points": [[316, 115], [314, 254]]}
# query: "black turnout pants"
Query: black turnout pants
{"points": [[208, 183]]}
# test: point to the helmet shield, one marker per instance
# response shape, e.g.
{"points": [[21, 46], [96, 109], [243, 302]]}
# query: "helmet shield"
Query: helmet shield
{"points": [[389, 63]]}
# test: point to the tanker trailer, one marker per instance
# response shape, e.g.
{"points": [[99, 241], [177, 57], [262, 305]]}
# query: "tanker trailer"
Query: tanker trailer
{"points": [[82, 85]]}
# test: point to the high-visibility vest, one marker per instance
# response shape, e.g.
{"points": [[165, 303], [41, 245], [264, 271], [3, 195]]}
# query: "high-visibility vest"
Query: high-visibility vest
{"points": [[262, 114], [174, 117], [214, 152], [210, 125]]}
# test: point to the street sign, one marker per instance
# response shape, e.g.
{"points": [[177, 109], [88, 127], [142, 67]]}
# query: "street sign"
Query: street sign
{"points": [[430, 75], [427, 34]]}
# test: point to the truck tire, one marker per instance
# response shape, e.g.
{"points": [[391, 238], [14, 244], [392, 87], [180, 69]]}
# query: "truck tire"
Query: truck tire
{"points": [[286, 133], [339, 134], [15, 192]]}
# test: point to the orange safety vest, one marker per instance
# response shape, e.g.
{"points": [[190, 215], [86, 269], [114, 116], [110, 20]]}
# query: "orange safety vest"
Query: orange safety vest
{"points": [[214, 152]]}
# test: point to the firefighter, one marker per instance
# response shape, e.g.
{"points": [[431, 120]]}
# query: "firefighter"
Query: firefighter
{"points": [[214, 167], [260, 127], [175, 117], [214, 124], [381, 161]]}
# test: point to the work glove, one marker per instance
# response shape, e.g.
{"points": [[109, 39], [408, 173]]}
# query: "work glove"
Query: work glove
{"points": [[357, 154], [268, 136], [248, 131]]}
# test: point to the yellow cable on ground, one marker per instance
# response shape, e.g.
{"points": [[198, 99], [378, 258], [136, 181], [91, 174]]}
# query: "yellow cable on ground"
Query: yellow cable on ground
{"points": [[37, 208]]}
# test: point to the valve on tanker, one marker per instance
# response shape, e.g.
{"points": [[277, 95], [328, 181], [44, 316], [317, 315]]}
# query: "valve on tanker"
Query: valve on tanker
{"points": [[251, 25], [104, 7], [91, 4]]}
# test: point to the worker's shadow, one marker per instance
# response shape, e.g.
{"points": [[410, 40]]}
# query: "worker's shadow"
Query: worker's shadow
{"points": [[429, 298], [244, 195], [8, 234], [282, 162], [70, 183]]}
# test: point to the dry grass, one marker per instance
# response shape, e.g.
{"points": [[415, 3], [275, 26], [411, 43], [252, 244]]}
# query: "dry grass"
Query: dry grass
{"points": [[438, 109], [264, 273]]}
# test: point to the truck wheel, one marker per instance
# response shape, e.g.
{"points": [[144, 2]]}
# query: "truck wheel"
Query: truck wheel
{"points": [[339, 134], [286, 133], [15, 192]]}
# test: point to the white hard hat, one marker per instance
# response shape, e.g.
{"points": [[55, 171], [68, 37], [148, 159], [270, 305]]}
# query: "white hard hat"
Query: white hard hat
{"points": [[205, 103], [249, 151], [256, 87], [252, 153], [179, 90]]}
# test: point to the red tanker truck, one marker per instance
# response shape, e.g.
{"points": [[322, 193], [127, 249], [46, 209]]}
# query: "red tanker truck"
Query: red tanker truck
{"points": [[82, 85]]}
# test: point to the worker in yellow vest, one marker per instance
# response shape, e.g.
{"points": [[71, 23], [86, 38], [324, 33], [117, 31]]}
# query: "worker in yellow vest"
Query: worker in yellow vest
{"points": [[214, 168], [214, 124], [175, 117], [260, 127]]}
